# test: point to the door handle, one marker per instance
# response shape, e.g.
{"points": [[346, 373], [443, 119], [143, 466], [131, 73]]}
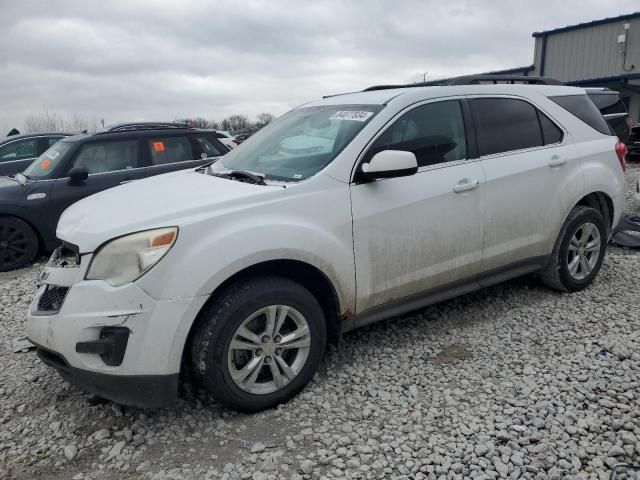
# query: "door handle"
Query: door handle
{"points": [[557, 161], [465, 185], [128, 181]]}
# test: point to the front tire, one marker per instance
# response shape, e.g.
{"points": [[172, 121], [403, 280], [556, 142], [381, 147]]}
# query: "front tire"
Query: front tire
{"points": [[18, 243], [578, 252], [258, 343]]}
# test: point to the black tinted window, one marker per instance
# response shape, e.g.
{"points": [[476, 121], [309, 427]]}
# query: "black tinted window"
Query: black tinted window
{"points": [[433, 132], [19, 150], [505, 124], [53, 140], [170, 150], [208, 146], [608, 103], [550, 131], [108, 156], [583, 108]]}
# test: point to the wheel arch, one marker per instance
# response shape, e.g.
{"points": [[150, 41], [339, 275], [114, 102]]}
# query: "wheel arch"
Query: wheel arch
{"points": [[602, 202], [307, 275]]}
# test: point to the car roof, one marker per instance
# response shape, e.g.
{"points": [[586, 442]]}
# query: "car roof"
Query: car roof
{"points": [[132, 134], [31, 135], [385, 96]]}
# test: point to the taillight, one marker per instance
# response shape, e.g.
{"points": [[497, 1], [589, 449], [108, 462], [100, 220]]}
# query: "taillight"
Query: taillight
{"points": [[621, 151]]}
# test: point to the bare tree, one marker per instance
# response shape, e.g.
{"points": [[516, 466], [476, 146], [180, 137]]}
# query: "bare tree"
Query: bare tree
{"points": [[52, 121], [47, 121], [236, 123], [264, 119], [215, 125]]}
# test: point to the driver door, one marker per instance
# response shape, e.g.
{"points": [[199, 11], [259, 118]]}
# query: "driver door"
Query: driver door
{"points": [[110, 163], [416, 233]]}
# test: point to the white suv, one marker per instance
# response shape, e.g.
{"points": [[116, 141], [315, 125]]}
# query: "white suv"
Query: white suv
{"points": [[392, 199]]}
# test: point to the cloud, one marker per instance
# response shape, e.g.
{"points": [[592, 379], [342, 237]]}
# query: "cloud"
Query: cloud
{"points": [[124, 60]]}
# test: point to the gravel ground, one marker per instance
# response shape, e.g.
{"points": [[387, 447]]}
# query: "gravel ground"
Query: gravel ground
{"points": [[513, 381]]}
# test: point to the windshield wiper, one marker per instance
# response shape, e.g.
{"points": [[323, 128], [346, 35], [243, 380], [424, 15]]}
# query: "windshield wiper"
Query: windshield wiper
{"points": [[242, 176]]}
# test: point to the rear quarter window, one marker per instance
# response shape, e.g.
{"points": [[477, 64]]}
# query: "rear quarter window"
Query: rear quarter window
{"points": [[582, 107]]}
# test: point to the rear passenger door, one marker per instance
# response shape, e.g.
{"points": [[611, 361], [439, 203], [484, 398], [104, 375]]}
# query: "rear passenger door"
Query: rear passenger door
{"points": [[179, 152], [532, 172]]}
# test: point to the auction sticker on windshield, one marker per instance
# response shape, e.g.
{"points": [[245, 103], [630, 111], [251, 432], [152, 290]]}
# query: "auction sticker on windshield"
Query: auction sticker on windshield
{"points": [[358, 116]]}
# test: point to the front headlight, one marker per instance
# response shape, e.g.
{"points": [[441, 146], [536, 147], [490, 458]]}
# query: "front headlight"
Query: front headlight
{"points": [[125, 259]]}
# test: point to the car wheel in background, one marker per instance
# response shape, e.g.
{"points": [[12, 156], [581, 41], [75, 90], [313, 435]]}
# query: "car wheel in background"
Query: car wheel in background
{"points": [[258, 343], [18, 243]]}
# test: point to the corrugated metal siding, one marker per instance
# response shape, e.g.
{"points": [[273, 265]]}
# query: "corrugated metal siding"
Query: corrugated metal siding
{"points": [[591, 52]]}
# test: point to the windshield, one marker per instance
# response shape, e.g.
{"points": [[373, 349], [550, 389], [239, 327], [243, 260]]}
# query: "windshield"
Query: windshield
{"points": [[46, 163], [300, 143]]}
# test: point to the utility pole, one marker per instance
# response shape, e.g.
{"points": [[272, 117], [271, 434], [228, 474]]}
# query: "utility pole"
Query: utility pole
{"points": [[424, 76]]}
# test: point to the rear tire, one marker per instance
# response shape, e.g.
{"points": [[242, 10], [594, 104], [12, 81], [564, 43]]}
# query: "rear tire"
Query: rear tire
{"points": [[578, 252], [258, 343], [18, 243]]}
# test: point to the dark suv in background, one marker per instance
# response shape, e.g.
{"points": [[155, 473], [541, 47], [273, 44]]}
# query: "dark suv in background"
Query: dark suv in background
{"points": [[18, 151], [31, 202], [613, 110]]}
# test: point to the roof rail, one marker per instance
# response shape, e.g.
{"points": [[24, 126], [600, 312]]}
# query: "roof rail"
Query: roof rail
{"points": [[473, 80], [125, 127], [479, 79]]}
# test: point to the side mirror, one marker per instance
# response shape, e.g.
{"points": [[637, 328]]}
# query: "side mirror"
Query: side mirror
{"points": [[389, 164], [78, 174]]}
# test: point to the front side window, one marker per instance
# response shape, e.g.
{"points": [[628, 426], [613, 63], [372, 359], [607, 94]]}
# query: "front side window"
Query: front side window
{"points": [[434, 133], [300, 143], [19, 150], [106, 157], [170, 150], [44, 166], [505, 124]]}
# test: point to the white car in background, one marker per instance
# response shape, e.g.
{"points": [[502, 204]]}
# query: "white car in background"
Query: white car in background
{"points": [[227, 139], [242, 270]]}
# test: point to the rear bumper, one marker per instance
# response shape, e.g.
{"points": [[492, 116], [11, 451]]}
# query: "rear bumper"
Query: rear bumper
{"points": [[146, 391]]}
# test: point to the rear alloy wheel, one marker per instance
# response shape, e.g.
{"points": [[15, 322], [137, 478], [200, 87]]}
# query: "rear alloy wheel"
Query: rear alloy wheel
{"points": [[258, 343], [18, 243], [578, 252]]}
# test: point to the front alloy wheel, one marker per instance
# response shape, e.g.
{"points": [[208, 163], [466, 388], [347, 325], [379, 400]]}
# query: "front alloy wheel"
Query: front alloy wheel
{"points": [[258, 342], [269, 349]]}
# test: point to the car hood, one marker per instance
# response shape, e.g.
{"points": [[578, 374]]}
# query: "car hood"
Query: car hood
{"points": [[172, 199]]}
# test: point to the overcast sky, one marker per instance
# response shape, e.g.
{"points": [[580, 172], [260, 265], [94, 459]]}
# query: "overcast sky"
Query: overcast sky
{"points": [[135, 59]]}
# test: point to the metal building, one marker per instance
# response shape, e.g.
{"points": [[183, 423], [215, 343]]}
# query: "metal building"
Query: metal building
{"points": [[601, 53]]}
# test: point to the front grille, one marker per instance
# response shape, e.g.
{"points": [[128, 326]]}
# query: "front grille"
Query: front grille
{"points": [[52, 298]]}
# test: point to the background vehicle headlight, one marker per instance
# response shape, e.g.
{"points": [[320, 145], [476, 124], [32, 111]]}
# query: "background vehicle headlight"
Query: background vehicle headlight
{"points": [[127, 258]]}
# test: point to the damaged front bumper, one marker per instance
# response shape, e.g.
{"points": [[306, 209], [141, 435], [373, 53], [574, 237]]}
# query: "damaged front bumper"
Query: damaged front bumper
{"points": [[116, 342]]}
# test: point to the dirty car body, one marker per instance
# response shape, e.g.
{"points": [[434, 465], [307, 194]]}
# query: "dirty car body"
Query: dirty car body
{"points": [[446, 217]]}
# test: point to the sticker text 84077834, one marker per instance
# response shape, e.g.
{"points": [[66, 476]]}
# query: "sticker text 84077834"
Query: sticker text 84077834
{"points": [[358, 116]]}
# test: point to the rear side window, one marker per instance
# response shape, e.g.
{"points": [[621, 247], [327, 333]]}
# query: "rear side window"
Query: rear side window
{"points": [[19, 150], [583, 108], [170, 150], [433, 132], [106, 157], [506, 124]]}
